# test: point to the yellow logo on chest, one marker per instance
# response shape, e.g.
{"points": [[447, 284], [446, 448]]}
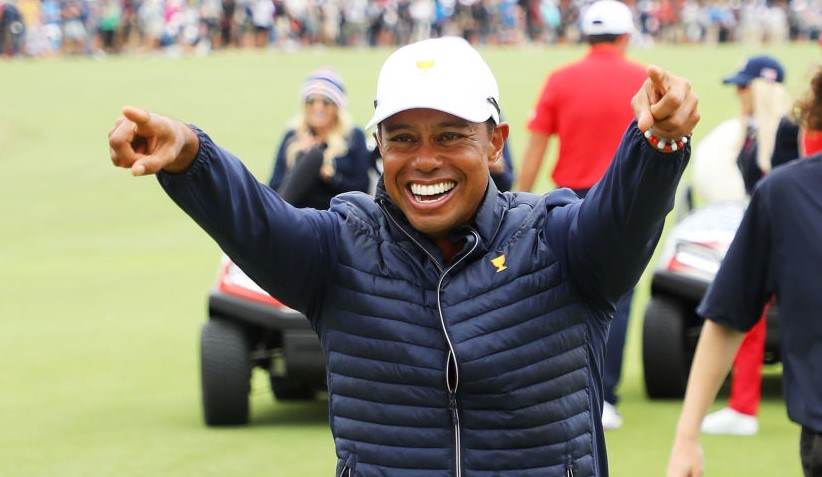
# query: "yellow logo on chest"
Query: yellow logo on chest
{"points": [[499, 262]]}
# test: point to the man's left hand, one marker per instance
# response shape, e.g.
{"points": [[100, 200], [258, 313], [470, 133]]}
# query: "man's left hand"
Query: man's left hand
{"points": [[666, 104]]}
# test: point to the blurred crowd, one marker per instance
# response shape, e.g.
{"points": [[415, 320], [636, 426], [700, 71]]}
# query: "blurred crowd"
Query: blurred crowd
{"points": [[98, 27]]}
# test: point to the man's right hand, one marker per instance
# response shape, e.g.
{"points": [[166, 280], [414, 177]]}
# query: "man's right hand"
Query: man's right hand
{"points": [[667, 104], [147, 143]]}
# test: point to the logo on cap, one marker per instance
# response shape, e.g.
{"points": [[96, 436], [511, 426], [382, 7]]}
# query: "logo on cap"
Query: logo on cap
{"points": [[769, 74], [425, 64]]}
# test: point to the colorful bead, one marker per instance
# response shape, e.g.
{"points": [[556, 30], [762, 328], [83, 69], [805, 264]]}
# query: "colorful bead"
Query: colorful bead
{"points": [[665, 145]]}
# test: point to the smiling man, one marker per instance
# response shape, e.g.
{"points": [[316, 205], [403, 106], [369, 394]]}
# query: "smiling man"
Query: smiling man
{"points": [[463, 328]]}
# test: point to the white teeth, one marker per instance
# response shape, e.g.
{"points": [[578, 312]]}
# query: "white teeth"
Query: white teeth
{"points": [[432, 189]]}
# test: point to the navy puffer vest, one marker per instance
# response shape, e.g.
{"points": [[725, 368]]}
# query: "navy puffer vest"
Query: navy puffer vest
{"points": [[515, 333]]}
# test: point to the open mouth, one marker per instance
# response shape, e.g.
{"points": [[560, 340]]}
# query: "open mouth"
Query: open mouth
{"points": [[431, 193]]}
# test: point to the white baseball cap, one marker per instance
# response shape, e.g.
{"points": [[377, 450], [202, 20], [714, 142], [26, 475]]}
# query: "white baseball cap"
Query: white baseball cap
{"points": [[445, 74], [607, 17]]}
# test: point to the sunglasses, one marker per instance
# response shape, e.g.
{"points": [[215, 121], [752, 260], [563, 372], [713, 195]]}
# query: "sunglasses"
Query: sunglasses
{"points": [[309, 101]]}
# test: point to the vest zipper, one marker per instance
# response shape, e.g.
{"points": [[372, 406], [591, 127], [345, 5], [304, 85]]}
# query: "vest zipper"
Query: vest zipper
{"points": [[569, 467], [455, 420], [452, 355]]}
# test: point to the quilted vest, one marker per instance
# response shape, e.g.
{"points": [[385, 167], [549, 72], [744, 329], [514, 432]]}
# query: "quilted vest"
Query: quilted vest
{"points": [[480, 367]]}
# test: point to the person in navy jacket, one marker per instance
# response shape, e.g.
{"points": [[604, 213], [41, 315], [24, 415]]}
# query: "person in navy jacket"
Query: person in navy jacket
{"points": [[463, 328], [324, 154]]}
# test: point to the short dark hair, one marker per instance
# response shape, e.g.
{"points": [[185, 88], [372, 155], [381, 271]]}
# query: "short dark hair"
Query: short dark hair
{"points": [[490, 125], [603, 38]]}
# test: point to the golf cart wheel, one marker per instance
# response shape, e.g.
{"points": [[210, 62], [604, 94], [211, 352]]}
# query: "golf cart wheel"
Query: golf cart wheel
{"points": [[225, 373], [664, 353], [285, 389]]}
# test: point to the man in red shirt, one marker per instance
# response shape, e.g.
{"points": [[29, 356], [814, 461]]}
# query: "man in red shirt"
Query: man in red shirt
{"points": [[587, 105]]}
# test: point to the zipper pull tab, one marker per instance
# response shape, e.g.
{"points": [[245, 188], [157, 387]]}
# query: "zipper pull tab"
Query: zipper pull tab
{"points": [[452, 406], [569, 469]]}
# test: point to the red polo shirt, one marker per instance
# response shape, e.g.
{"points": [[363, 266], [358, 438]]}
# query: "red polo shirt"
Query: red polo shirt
{"points": [[588, 105]]}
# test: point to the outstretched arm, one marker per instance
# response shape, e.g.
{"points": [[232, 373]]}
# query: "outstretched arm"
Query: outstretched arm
{"points": [[611, 235], [281, 248]]}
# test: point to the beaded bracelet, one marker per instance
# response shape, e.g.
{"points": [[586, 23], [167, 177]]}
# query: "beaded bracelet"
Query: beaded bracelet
{"points": [[666, 145]]}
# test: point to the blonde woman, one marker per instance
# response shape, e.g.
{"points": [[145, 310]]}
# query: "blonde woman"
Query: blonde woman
{"points": [[770, 140], [323, 154]]}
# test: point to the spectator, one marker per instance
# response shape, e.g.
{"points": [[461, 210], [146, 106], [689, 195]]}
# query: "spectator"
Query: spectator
{"points": [[12, 29], [74, 29], [263, 18], [323, 154], [210, 22], [112, 25], [770, 140], [150, 21], [108, 25]]}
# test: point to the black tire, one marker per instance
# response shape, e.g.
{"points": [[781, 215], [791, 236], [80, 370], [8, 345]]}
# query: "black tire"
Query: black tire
{"points": [[225, 373], [285, 389], [665, 359]]}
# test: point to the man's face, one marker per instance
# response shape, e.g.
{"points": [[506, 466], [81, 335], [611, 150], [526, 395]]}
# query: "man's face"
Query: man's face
{"points": [[436, 166]]}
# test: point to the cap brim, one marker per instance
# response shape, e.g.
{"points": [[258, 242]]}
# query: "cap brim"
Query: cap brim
{"points": [[478, 116], [594, 31], [738, 79]]}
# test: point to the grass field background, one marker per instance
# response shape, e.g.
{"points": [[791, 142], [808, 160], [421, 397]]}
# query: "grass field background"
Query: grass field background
{"points": [[103, 280]]}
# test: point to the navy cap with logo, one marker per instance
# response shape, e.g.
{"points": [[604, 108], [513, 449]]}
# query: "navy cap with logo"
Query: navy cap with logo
{"points": [[764, 67]]}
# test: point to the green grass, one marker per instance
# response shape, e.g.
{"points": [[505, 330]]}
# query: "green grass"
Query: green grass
{"points": [[103, 282]]}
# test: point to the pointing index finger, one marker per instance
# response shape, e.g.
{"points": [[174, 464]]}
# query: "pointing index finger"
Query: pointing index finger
{"points": [[140, 117], [659, 79]]}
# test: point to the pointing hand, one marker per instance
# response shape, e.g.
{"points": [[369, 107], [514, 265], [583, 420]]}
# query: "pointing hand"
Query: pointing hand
{"points": [[666, 104], [147, 143]]}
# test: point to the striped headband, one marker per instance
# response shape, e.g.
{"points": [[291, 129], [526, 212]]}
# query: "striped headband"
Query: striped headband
{"points": [[325, 82]]}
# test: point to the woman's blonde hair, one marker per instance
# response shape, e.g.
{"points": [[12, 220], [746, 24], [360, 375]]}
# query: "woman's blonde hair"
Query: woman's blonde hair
{"points": [[336, 141], [770, 104]]}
